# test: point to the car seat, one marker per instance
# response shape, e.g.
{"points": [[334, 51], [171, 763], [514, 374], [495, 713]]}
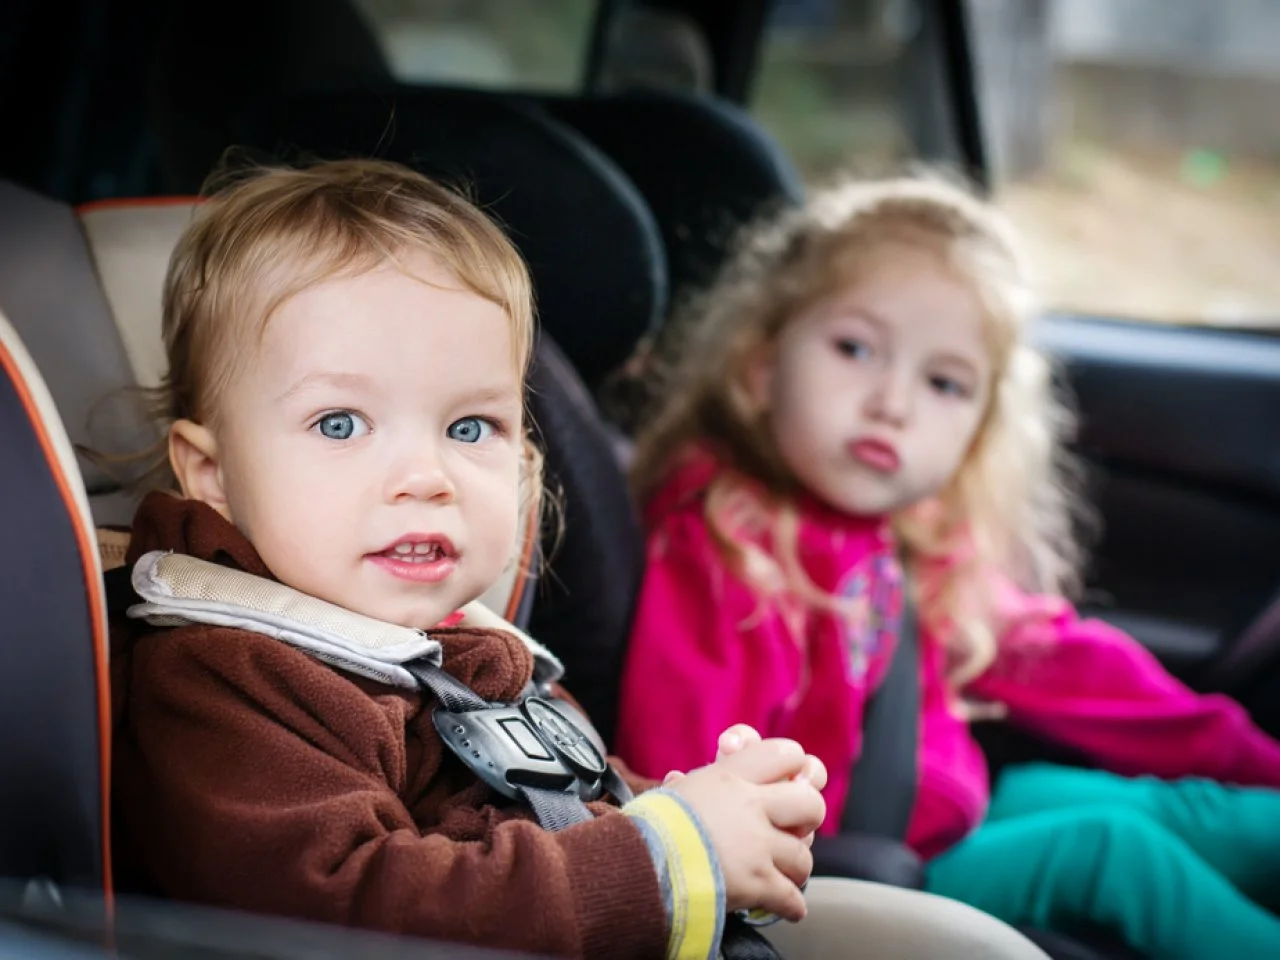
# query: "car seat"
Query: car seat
{"points": [[703, 165], [53, 646], [56, 897]]}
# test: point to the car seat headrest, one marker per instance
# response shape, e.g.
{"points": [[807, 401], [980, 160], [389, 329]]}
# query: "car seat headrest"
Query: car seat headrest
{"points": [[703, 165], [592, 245], [131, 242], [51, 293], [276, 46], [54, 702]]}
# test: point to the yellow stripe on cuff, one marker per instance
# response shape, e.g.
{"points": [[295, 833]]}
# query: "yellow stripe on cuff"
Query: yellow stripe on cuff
{"points": [[695, 899]]}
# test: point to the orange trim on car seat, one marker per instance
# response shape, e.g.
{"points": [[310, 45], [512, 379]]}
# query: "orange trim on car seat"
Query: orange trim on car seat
{"points": [[526, 562], [97, 611], [114, 203]]}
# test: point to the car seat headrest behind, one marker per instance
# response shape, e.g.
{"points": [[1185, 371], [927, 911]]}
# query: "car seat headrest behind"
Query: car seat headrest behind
{"points": [[54, 703], [212, 61], [703, 165], [592, 245]]}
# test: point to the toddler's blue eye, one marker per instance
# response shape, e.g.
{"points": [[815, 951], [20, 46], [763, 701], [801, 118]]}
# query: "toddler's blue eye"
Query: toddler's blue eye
{"points": [[342, 425], [470, 430]]}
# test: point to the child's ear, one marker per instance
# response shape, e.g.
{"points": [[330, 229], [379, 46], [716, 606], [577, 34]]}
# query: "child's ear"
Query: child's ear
{"points": [[760, 367], [193, 453]]}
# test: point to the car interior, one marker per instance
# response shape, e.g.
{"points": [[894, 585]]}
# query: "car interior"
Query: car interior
{"points": [[623, 196]]}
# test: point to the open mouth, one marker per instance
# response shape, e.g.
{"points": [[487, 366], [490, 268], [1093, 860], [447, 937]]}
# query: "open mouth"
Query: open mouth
{"points": [[423, 558], [419, 552]]}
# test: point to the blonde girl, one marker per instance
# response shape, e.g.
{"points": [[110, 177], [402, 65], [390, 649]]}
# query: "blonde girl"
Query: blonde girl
{"points": [[852, 420]]}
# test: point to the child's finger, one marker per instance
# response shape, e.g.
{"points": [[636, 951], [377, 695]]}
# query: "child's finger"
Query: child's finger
{"points": [[794, 808], [735, 738], [815, 772], [769, 761], [672, 777]]}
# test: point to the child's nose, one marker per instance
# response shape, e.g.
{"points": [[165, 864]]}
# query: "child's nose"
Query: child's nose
{"points": [[893, 398], [420, 475]]}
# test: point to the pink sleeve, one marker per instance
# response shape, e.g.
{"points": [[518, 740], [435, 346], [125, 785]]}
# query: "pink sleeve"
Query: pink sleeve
{"points": [[1087, 685], [701, 658]]}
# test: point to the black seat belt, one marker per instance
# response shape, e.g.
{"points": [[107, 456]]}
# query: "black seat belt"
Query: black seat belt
{"points": [[883, 785]]}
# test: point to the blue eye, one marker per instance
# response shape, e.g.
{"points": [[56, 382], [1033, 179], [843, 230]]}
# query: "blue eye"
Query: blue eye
{"points": [[949, 387], [853, 349], [342, 425], [471, 430]]}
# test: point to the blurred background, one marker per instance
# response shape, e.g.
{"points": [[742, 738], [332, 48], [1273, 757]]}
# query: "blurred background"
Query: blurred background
{"points": [[1136, 143]]}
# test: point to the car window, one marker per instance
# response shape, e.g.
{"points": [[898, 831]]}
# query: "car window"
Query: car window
{"points": [[537, 44], [1137, 145], [833, 83]]}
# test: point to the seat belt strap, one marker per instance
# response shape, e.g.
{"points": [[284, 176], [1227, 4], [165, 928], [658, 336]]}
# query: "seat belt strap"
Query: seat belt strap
{"points": [[882, 789]]}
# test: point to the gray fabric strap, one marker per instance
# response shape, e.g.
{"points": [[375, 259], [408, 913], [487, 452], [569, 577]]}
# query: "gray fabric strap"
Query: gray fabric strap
{"points": [[453, 696], [882, 790], [555, 810]]}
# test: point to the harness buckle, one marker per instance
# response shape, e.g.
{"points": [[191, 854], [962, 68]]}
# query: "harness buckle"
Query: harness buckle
{"points": [[532, 743]]}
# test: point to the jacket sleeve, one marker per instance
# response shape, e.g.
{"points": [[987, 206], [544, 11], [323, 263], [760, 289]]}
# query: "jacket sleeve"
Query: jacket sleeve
{"points": [[1087, 685], [704, 654], [252, 777]]}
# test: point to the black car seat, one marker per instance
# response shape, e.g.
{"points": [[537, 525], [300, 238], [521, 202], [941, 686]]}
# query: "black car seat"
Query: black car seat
{"points": [[214, 59], [704, 166], [56, 897]]}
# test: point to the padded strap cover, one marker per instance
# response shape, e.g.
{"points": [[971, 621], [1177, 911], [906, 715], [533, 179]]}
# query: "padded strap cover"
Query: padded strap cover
{"points": [[177, 589]]}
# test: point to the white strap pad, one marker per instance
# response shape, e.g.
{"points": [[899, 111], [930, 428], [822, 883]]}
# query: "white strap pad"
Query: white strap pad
{"points": [[177, 589]]}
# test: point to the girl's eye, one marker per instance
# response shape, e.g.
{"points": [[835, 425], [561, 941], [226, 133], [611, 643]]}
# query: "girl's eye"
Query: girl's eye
{"points": [[471, 430], [949, 387], [853, 349], [342, 425]]}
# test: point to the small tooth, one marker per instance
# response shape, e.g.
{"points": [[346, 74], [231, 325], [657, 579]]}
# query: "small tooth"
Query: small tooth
{"points": [[423, 548], [404, 548]]}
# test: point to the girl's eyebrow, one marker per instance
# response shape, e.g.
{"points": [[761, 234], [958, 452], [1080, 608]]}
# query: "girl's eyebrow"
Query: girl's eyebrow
{"points": [[847, 311], [326, 378], [969, 365]]}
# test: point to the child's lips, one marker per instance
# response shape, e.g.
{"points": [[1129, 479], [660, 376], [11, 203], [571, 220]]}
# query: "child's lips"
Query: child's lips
{"points": [[418, 557], [879, 455], [429, 569]]}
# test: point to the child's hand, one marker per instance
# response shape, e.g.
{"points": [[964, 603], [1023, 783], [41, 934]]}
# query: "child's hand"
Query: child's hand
{"points": [[740, 735], [759, 813]]}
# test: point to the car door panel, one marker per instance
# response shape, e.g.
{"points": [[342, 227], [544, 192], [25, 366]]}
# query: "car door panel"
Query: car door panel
{"points": [[1180, 428]]}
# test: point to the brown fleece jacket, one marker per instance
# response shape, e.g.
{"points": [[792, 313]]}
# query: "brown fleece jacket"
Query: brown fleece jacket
{"points": [[249, 775]]}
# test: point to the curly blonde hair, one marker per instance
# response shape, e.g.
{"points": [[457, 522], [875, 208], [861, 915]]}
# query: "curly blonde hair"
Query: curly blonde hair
{"points": [[1008, 511]]}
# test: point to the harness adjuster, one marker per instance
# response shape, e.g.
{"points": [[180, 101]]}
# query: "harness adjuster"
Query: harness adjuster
{"points": [[532, 744]]}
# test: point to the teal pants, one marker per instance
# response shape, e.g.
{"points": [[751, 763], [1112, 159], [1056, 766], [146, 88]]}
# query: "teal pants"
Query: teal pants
{"points": [[1185, 870]]}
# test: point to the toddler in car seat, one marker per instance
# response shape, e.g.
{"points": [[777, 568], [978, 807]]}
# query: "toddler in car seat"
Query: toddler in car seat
{"points": [[853, 421], [346, 350]]}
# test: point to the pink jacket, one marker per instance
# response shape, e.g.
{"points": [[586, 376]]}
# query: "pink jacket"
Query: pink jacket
{"points": [[705, 654]]}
